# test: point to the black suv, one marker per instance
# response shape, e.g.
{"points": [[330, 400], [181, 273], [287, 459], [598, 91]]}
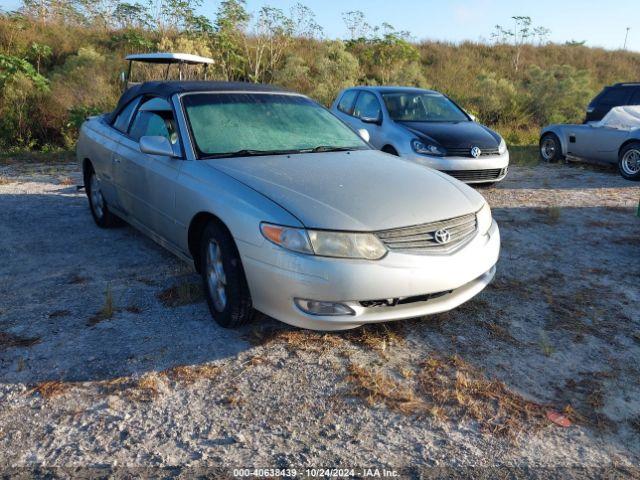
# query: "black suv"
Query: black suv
{"points": [[613, 96]]}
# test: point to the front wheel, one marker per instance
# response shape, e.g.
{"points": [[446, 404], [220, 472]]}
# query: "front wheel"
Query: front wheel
{"points": [[223, 278], [629, 161], [99, 208], [550, 148]]}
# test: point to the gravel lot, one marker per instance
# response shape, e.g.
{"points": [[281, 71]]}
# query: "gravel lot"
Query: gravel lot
{"points": [[108, 356]]}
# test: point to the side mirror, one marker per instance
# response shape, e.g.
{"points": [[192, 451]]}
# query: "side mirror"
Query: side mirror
{"points": [[364, 134], [153, 145], [377, 120]]}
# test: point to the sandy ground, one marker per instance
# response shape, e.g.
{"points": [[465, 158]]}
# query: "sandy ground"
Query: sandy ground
{"points": [[108, 356]]}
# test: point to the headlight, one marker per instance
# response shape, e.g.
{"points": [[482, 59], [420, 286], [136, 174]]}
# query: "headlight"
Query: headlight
{"points": [[484, 219], [325, 243], [502, 147], [425, 149]]}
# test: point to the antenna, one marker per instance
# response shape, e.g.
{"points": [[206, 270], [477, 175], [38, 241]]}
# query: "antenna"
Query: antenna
{"points": [[626, 37]]}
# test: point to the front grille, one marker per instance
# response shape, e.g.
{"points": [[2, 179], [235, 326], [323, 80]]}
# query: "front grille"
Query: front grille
{"points": [[393, 302], [422, 238], [466, 152], [487, 175]]}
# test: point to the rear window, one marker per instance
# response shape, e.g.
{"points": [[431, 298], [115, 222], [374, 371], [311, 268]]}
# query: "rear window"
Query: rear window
{"points": [[346, 102]]}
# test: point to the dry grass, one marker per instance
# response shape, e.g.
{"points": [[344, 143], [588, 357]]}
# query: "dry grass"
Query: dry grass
{"points": [[449, 389], [381, 337], [552, 215], [8, 340], [67, 181], [59, 313], [134, 309], [5, 180], [146, 388], [77, 280], [107, 310], [190, 374], [183, 294], [50, 389]]}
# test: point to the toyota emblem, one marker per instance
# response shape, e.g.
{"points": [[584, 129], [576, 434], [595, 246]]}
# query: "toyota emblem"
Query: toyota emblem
{"points": [[442, 236], [476, 152]]}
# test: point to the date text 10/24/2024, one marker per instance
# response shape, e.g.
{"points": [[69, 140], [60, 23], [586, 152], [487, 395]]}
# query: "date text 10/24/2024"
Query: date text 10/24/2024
{"points": [[316, 473]]}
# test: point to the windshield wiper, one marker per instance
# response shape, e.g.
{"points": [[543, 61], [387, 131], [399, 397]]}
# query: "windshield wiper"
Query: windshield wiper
{"points": [[248, 153], [328, 148]]}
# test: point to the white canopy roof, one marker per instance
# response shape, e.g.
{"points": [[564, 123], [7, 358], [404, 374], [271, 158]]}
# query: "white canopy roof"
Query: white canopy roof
{"points": [[169, 58], [622, 118]]}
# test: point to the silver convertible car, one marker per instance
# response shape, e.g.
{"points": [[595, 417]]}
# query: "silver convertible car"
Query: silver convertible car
{"points": [[283, 208], [614, 139]]}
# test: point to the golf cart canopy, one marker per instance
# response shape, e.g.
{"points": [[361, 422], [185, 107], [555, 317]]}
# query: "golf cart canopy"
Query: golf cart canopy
{"points": [[168, 59]]}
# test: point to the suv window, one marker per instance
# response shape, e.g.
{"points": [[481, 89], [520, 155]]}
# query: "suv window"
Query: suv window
{"points": [[615, 96], [346, 102], [367, 106], [124, 117], [149, 122], [635, 98]]}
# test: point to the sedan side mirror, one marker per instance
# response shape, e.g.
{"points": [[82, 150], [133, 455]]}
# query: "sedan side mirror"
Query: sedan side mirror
{"points": [[156, 145], [377, 120], [364, 134]]}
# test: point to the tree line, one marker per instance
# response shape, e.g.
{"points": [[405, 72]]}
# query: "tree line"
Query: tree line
{"points": [[60, 59]]}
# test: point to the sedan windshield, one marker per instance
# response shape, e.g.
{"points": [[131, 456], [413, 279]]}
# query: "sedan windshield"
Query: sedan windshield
{"points": [[422, 107], [250, 124]]}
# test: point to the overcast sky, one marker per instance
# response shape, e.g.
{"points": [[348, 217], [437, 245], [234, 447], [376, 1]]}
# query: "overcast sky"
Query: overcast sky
{"points": [[600, 23]]}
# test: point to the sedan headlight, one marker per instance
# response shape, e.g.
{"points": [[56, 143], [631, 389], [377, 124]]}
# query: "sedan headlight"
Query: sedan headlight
{"points": [[426, 149], [484, 219], [502, 147], [325, 243]]}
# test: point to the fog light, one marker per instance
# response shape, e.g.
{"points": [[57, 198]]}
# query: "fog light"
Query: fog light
{"points": [[317, 307]]}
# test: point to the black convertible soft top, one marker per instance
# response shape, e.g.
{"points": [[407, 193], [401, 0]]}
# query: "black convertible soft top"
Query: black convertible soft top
{"points": [[166, 89]]}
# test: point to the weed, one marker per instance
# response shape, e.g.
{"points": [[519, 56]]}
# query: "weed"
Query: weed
{"points": [[545, 346], [134, 309], [76, 279], [59, 313], [107, 310], [182, 294], [552, 215]]}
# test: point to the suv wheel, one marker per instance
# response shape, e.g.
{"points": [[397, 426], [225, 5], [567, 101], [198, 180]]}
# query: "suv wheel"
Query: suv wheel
{"points": [[223, 278], [550, 148], [629, 161]]}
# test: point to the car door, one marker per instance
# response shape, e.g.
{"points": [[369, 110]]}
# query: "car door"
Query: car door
{"points": [[344, 108], [583, 140], [368, 112], [147, 182]]}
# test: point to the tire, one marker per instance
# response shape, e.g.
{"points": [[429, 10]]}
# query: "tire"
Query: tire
{"points": [[390, 150], [629, 161], [97, 204], [550, 149], [223, 278]]}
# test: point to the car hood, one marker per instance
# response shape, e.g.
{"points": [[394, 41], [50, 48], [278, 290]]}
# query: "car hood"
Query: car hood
{"points": [[364, 190], [454, 135]]}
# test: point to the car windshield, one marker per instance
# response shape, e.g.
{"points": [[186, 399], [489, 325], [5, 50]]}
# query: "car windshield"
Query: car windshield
{"points": [[422, 107], [246, 124]]}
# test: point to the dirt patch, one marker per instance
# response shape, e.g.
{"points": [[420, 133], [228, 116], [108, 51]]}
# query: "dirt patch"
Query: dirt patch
{"points": [[182, 294], [8, 340]]}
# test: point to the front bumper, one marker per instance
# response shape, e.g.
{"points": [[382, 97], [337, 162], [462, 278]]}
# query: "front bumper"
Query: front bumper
{"points": [[276, 277], [463, 167]]}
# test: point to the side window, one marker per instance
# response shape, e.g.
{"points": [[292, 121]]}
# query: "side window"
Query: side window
{"points": [[346, 102], [154, 118], [367, 106], [615, 96], [124, 117]]}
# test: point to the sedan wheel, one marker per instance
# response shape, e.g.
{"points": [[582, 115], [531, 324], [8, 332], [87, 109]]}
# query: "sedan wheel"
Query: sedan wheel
{"points": [[223, 278], [216, 279], [629, 162], [95, 197]]}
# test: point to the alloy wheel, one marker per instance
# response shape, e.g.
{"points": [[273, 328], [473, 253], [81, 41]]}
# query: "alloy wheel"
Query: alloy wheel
{"points": [[216, 278], [631, 162], [97, 200], [548, 148]]}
